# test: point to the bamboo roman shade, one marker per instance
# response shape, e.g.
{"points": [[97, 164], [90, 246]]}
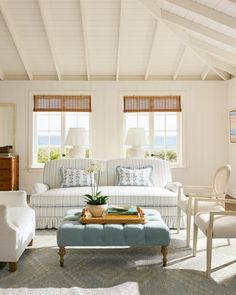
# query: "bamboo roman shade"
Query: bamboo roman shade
{"points": [[62, 103], [169, 103]]}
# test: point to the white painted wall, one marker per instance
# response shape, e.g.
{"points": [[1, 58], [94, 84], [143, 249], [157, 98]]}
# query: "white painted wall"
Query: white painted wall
{"points": [[205, 121], [232, 146]]}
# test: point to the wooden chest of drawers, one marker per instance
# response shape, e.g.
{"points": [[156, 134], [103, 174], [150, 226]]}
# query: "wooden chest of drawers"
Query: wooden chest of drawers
{"points": [[9, 173]]}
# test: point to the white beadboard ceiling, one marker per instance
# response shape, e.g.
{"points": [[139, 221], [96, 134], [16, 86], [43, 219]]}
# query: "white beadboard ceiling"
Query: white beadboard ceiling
{"points": [[117, 39]]}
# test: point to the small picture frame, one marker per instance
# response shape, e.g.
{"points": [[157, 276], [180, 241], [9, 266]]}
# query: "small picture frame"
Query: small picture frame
{"points": [[232, 122]]}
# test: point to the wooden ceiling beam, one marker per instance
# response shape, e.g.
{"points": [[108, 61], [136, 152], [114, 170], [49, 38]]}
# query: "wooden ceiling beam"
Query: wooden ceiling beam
{"points": [[206, 11], [183, 38], [1, 74], [183, 51], [15, 37], [82, 14], [45, 20], [220, 52], [150, 58], [205, 73], [197, 28], [119, 46]]}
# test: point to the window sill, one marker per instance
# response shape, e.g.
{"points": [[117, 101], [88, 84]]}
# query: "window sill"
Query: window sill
{"points": [[35, 169]]}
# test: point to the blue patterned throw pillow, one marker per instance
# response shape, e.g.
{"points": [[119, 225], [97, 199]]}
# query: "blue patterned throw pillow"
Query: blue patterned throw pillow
{"points": [[134, 176], [74, 177]]}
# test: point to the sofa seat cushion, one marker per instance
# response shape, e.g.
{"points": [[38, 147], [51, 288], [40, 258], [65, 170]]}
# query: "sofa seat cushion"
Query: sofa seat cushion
{"points": [[63, 197], [141, 196], [118, 195]]}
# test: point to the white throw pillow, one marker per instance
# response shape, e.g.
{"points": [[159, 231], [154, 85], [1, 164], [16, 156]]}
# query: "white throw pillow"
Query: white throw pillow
{"points": [[75, 177], [134, 176]]}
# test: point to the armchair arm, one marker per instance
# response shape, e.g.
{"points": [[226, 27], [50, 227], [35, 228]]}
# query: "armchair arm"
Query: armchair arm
{"points": [[197, 189], [5, 223], [13, 198], [40, 188], [173, 186], [213, 200]]}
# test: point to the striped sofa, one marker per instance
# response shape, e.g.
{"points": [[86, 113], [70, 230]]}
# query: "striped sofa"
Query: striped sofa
{"points": [[51, 202]]}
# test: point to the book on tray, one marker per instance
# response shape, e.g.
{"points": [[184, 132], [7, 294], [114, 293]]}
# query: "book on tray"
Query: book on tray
{"points": [[122, 210]]}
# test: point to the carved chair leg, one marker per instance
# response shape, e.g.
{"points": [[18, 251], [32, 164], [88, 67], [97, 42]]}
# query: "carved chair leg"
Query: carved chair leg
{"points": [[62, 252], [12, 266], [31, 243], [164, 251]]}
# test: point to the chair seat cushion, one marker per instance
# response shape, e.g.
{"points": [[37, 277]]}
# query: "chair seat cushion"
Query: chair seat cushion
{"points": [[223, 226]]}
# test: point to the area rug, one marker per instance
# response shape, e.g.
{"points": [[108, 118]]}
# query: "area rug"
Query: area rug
{"points": [[119, 271]]}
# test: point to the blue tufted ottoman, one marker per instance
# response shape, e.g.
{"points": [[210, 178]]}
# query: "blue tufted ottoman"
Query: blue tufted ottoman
{"points": [[73, 233]]}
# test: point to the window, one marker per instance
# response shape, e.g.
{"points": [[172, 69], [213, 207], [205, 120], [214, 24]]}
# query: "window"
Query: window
{"points": [[162, 127], [51, 126]]}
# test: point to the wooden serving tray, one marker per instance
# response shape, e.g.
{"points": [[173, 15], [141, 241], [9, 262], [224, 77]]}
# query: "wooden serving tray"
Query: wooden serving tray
{"points": [[86, 217]]}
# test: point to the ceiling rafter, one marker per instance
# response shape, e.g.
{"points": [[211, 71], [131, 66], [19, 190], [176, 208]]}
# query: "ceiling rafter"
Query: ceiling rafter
{"points": [[206, 11], [205, 73], [45, 20], [1, 74], [183, 51], [197, 28], [183, 37], [82, 14], [223, 66], [205, 57], [15, 37], [119, 40], [213, 49], [154, 38]]}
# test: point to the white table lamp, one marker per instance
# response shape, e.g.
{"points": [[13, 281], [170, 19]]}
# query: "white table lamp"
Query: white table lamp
{"points": [[136, 137], [77, 138]]}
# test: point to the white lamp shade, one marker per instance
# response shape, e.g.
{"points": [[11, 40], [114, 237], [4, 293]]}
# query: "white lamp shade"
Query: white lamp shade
{"points": [[77, 136], [136, 137]]}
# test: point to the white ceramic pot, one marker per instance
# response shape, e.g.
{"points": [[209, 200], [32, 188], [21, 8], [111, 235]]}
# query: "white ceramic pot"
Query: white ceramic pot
{"points": [[97, 210]]}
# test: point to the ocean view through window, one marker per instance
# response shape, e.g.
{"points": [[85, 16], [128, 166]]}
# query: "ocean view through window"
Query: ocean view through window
{"points": [[162, 130]]}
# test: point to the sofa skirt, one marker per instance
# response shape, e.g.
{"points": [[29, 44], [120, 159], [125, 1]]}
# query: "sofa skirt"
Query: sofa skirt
{"points": [[51, 217]]}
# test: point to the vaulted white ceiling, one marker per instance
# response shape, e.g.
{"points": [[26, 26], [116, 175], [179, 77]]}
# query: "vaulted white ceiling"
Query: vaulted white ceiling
{"points": [[117, 39]]}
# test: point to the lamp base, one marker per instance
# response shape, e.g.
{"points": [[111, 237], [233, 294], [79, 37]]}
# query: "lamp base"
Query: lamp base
{"points": [[135, 152], [77, 152]]}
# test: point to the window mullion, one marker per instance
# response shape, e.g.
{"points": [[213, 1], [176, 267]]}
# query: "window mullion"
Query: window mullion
{"points": [[151, 133], [35, 136], [63, 132], [165, 138]]}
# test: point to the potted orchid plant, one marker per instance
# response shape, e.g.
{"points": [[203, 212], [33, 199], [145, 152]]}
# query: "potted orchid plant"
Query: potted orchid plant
{"points": [[96, 203]]}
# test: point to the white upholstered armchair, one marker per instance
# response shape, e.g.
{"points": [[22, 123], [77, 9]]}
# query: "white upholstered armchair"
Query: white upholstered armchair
{"points": [[17, 226]]}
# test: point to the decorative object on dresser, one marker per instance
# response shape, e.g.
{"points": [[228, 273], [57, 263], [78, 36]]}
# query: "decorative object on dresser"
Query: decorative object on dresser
{"points": [[9, 173]]}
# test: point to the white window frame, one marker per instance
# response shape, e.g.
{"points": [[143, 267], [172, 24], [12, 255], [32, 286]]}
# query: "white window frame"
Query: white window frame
{"points": [[181, 159], [32, 127]]}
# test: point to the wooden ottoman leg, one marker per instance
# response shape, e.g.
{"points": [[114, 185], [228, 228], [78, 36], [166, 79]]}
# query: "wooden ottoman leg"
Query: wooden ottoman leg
{"points": [[164, 251], [12, 266], [62, 252]]}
